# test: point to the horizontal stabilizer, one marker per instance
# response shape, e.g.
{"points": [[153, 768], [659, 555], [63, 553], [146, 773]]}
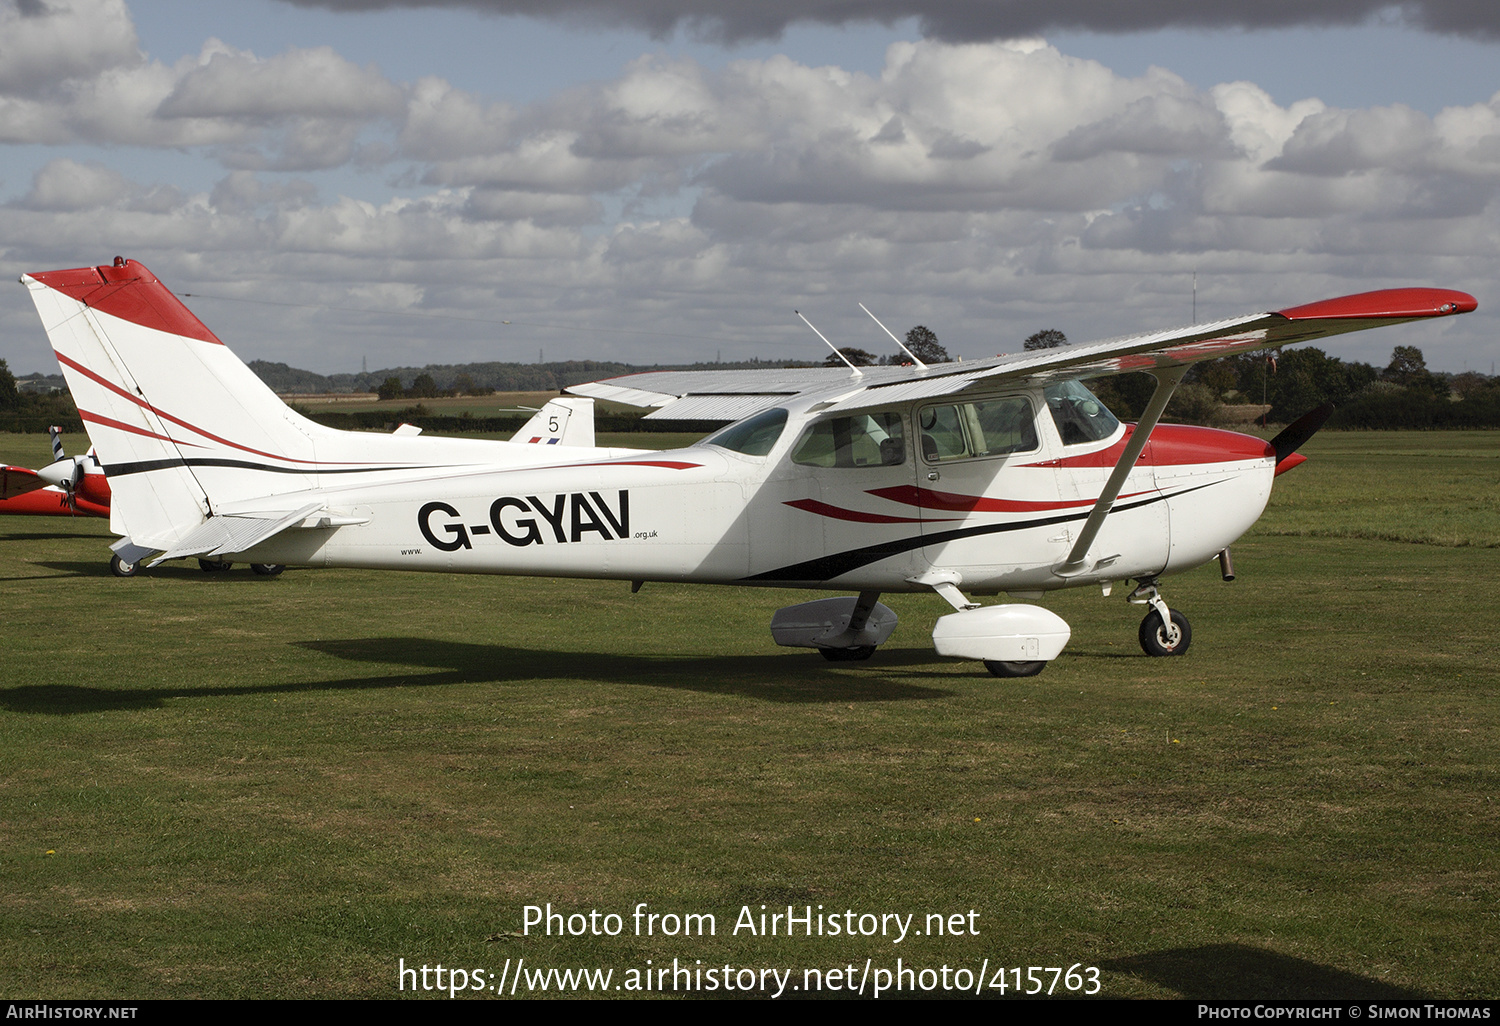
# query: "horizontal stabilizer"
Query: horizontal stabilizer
{"points": [[236, 533]]}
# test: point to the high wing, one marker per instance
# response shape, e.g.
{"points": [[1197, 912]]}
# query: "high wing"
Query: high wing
{"points": [[732, 395]]}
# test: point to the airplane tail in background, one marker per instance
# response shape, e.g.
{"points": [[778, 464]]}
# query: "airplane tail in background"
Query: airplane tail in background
{"points": [[148, 378], [564, 421]]}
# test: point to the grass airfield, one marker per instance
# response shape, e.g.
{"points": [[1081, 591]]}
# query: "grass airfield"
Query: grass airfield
{"points": [[228, 786]]}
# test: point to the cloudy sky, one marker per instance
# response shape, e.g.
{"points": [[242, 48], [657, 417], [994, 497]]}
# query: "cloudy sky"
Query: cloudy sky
{"points": [[437, 181]]}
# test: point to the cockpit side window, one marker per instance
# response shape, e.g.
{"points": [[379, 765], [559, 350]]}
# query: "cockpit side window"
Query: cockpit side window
{"points": [[1006, 426], [753, 436], [1079, 415], [863, 440], [990, 427]]}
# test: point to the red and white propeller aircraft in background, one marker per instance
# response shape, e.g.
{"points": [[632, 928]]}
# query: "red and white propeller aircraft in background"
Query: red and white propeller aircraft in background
{"points": [[1002, 475], [69, 486]]}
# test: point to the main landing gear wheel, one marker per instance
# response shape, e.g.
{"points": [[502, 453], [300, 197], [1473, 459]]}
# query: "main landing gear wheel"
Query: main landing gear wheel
{"points": [[1001, 668], [213, 566], [848, 655], [120, 568], [1158, 640], [267, 569]]}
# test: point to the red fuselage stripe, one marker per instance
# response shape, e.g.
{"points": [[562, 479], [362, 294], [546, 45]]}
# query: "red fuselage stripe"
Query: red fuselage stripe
{"points": [[926, 498], [837, 513], [668, 464], [1175, 445]]}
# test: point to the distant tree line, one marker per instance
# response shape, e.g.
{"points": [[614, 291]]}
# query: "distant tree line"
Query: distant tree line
{"points": [[1295, 381], [1404, 394], [1291, 382], [25, 410], [420, 416], [488, 377], [921, 341], [424, 386]]}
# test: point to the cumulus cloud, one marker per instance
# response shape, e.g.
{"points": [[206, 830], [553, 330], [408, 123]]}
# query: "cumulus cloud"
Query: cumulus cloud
{"points": [[315, 83], [444, 123], [546, 209], [963, 20], [44, 44], [68, 185], [964, 186], [243, 192], [300, 110]]}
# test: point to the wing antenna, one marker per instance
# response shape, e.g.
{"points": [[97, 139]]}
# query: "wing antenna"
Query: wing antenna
{"points": [[857, 372], [894, 339]]}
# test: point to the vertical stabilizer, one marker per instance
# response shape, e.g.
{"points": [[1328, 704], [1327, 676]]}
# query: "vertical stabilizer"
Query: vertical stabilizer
{"points": [[148, 378], [564, 421]]}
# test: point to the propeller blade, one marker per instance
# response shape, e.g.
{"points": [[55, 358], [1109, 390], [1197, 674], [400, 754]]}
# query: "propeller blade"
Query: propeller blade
{"points": [[1296, 434]]}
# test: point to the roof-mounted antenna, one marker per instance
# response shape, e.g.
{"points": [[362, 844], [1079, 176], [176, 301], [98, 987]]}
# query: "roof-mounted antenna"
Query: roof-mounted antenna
{"points": [[857, 372], [894, 339]]}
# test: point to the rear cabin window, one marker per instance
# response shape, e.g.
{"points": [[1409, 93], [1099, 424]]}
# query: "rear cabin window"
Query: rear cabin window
{"points": [[992, 427], [864, 440]]}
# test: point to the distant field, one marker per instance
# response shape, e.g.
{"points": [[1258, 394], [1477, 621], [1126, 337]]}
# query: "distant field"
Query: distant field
{"points": [[227, 786], [1433, 487], [499, 404]]}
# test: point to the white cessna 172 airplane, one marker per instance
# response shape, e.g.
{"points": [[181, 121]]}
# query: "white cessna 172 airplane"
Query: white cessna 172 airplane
{"points": [[1002, 475]]}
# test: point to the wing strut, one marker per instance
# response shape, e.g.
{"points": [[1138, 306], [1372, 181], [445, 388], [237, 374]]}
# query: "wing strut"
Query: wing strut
{"points": [[1167, 379]]}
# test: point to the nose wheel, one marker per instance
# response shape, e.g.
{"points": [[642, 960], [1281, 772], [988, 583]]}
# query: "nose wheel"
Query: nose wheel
{"points": [[1157, 639], [1164, 632]]}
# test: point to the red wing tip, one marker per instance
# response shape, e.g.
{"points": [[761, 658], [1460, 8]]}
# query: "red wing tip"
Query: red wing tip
{"points": [[1386, 304]]}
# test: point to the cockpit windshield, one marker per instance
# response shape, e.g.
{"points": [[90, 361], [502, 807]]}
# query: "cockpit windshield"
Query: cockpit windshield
{"points": [[753, 436], [1079, 415]]}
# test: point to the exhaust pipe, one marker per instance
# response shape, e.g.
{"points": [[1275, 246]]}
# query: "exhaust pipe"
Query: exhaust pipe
{"points": [[1226, 565]]}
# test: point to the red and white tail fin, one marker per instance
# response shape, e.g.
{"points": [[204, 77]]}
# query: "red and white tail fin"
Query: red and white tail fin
{"points": [[149, 379]]}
